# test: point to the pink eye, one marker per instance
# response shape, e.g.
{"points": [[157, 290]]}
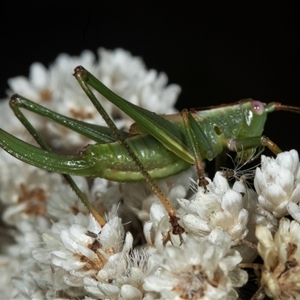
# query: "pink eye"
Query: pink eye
{"points": [[257, 107]]}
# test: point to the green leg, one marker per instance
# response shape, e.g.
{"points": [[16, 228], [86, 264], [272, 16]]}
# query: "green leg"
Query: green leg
{"points": [[197, 140], [43, 144], [99, 134], [83, 78], [253, 142], [161, 129]]}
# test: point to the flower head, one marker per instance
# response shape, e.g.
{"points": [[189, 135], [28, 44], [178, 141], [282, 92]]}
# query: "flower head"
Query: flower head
{"points": [[277, 182], [220, 207], [198, 269], [281, 256]]}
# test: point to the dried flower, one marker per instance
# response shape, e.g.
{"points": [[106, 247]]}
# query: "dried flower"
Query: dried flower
{"points": [[281, 254]]}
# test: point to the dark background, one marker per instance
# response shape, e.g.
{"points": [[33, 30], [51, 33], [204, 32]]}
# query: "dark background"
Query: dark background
{"points": [[217, 51]]}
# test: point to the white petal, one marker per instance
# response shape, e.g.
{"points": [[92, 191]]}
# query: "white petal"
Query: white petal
{"points": [[108, 289], [289, 160], [285, 179], [274, 193], [129, 292], [294, 211], [259, 181], [39, 75], [195, 224], [296, 194], [232, 202], [221, 182]]}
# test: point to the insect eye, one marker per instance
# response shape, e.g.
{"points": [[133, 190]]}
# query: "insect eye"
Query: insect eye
{"points": [[257, 107]]}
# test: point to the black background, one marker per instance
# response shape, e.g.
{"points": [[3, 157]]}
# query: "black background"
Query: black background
{"points": [[217, 51]]}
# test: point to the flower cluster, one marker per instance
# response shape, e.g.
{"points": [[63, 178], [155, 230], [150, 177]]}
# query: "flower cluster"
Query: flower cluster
{"points": [[53, 248]]}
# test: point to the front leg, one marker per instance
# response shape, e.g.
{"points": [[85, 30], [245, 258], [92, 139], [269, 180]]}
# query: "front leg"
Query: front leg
{"points": [[252, 142]]}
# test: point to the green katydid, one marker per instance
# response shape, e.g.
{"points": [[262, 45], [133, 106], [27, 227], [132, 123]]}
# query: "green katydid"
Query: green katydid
{"points": [[156, 146]]}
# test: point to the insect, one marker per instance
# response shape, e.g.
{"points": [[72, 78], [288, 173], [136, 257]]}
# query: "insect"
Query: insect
{"points": [[156, 146]]}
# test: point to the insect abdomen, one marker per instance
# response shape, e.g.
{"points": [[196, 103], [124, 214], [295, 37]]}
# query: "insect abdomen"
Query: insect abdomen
{"points": [[112, 162]]}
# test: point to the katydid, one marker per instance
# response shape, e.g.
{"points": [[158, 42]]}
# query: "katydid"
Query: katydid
{"points": [[156, 147]]}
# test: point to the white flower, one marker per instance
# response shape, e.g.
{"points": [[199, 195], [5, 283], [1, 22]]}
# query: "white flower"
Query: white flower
{"points": [[19, 257], [58, 90], [34, 194], [63, 200], [45, 85], [281, 254], [220, 206], [198, 269], [128, 77], [78, 252], [277, 182], [174, 187], [106, 194], [257, 215], [123, 278], [158, 230], [29, 288], [25, 190]]}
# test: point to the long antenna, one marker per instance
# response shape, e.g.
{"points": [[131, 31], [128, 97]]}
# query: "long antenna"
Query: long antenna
{"points": [[276, 106]]}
